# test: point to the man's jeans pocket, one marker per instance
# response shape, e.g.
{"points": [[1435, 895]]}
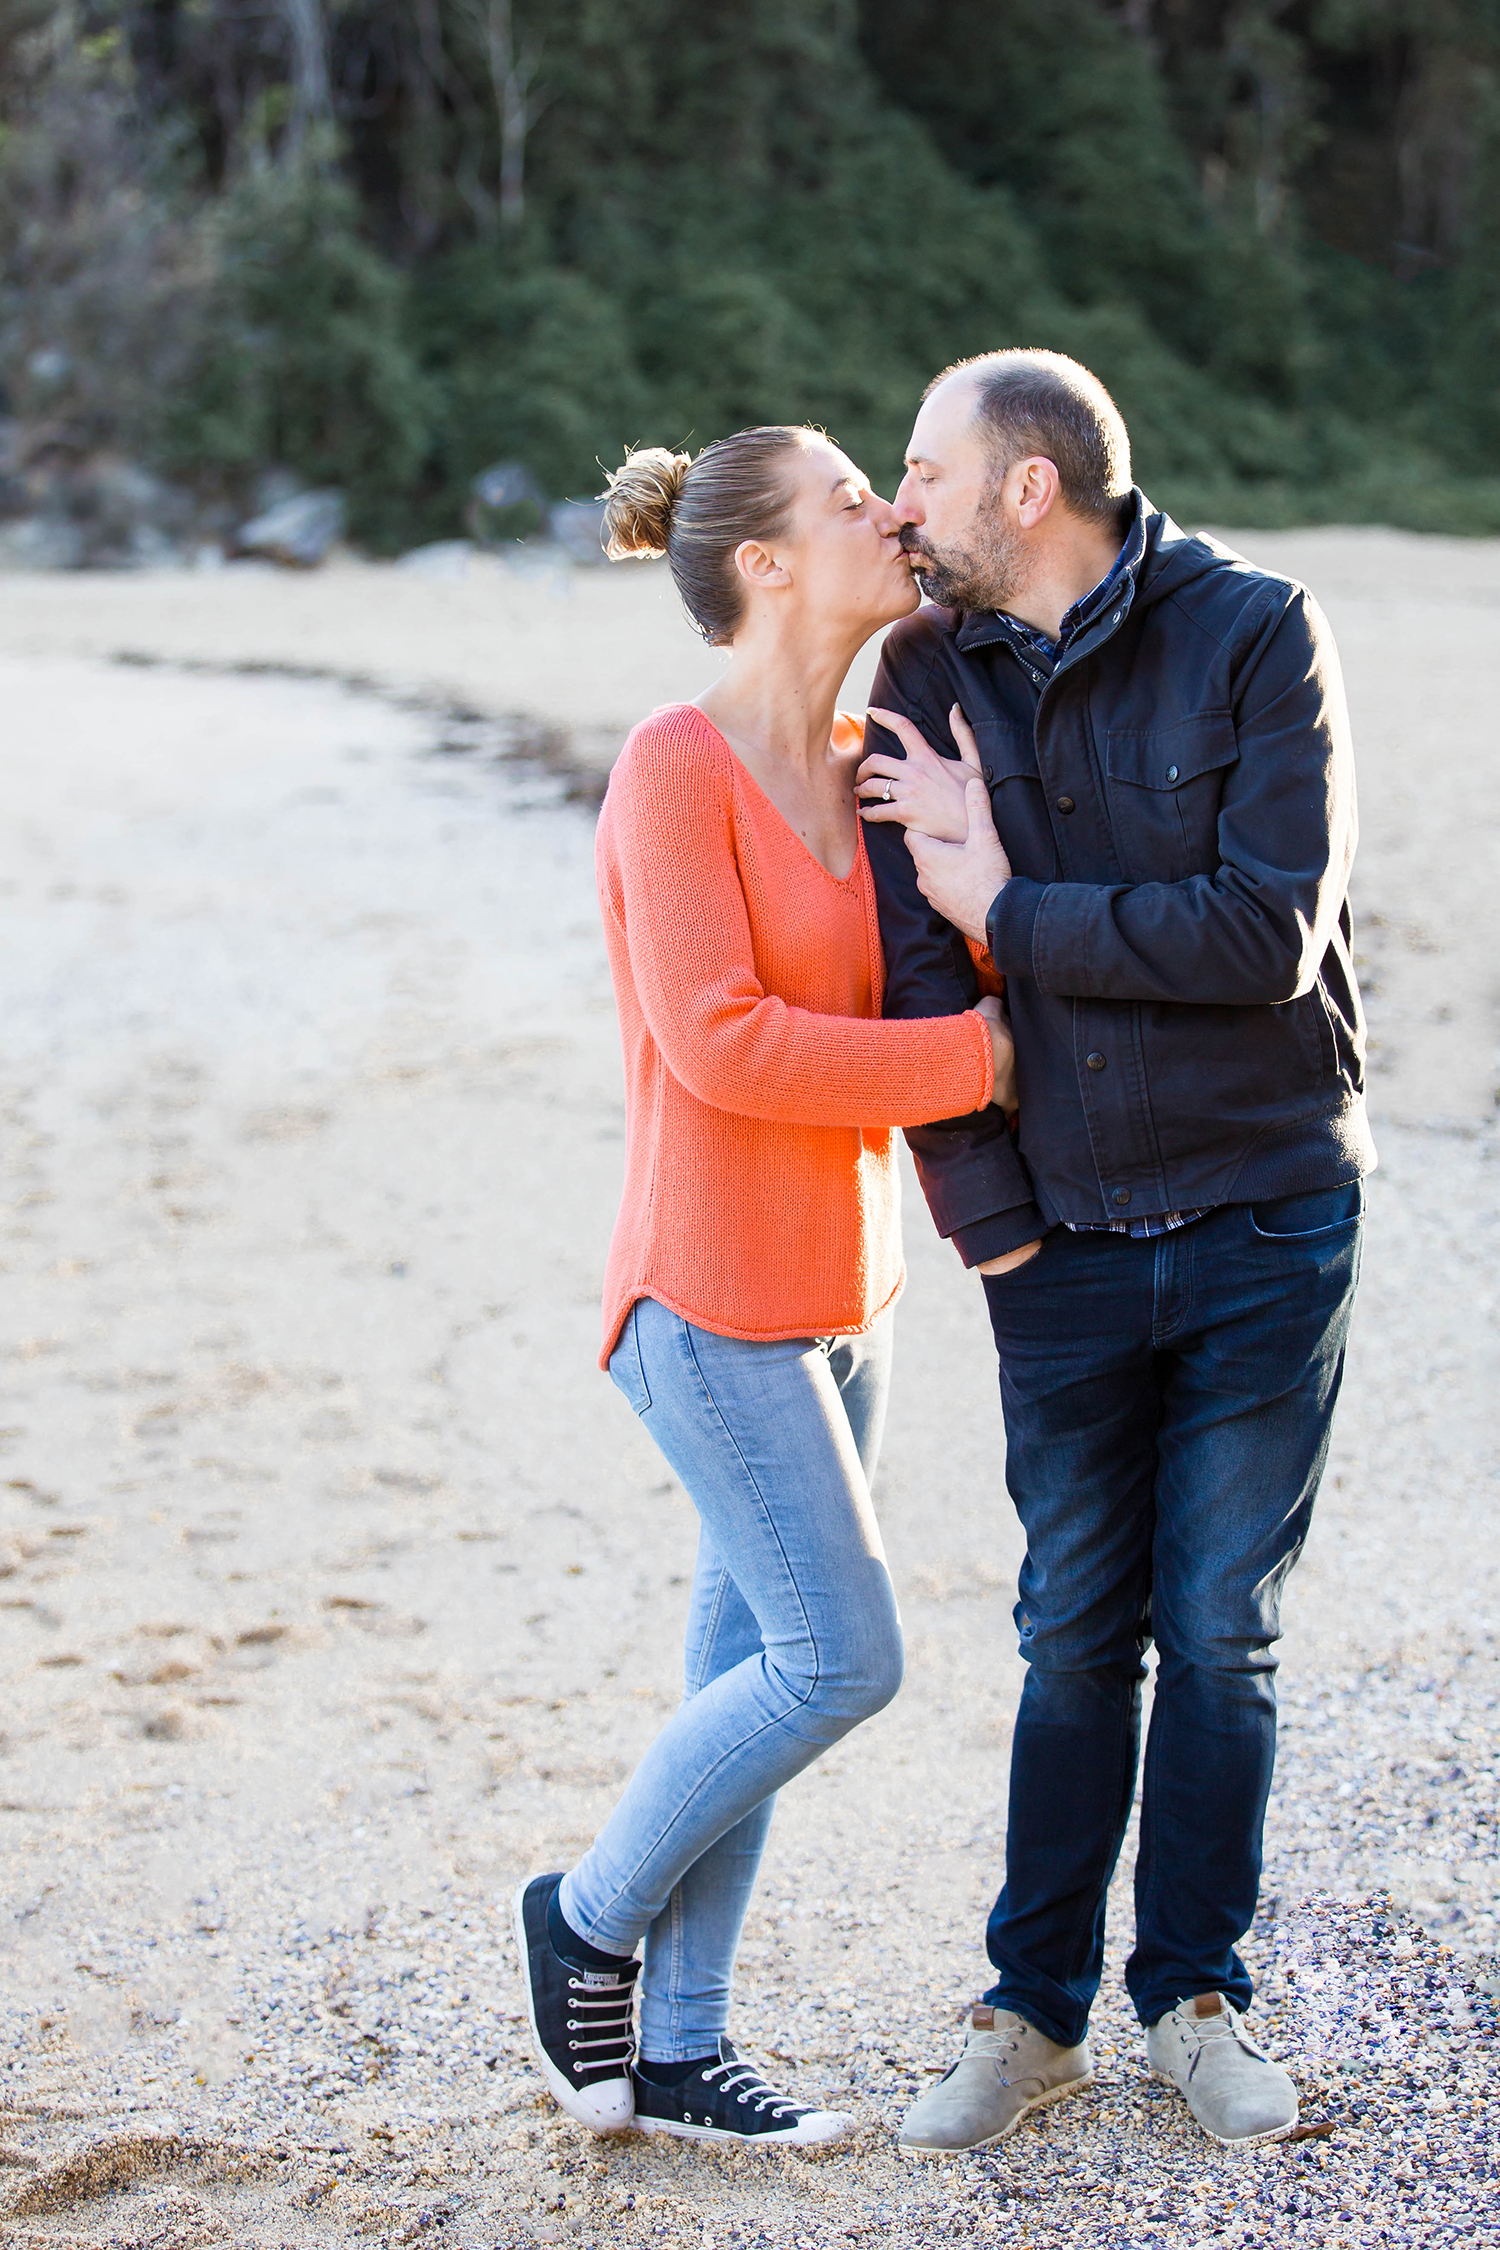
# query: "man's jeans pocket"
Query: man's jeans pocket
{"points": [[1297, 1218], [625, 1369]]}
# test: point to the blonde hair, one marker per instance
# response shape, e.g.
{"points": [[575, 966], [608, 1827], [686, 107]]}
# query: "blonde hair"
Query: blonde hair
{"points": [[697, 512]]}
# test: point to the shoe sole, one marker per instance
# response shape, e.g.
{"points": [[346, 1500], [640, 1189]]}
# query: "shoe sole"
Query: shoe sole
{"points": [[557, 2085], [967, 2148], [790, 2138], [1246, 2140]]}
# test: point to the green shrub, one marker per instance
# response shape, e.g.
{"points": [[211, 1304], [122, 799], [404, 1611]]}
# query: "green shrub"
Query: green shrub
{"points": [[303, 358], [524, 364]]}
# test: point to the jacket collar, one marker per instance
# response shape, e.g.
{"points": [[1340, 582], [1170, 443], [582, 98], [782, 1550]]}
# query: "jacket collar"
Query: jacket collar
{"points": [[1109, 600]]}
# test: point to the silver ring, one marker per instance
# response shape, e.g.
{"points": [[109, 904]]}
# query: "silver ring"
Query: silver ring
{"points": [[887, 798]]}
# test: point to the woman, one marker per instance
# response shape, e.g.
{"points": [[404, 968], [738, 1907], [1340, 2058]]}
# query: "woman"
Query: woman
{"points": [[756, 1256]]}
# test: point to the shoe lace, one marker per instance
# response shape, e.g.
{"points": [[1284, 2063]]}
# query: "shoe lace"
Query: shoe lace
{"points": [[999, 2045], [604, 2011], [744, 2079], [1228, 2024]]}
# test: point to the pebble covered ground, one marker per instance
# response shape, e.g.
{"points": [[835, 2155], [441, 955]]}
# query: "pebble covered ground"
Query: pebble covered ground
{"points": [[384, 2103], [339, 1592]]}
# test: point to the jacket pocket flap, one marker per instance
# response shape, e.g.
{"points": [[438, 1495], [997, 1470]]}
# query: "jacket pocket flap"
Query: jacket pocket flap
{"points": [[1005, 750], [1165, 757]]}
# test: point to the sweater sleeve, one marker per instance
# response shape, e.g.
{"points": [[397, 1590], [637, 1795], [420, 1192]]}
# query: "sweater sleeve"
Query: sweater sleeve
{"points": [[672, 880]]}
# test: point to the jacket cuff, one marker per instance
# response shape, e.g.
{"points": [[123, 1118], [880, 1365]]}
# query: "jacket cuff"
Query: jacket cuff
{"points": [[1011, 928], [1001, 1231]]}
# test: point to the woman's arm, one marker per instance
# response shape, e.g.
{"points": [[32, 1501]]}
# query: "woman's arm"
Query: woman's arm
{"points": [[669, 875]]}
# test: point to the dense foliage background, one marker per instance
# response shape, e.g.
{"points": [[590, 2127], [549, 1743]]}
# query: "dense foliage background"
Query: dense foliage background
{"points": [[383, 242]]}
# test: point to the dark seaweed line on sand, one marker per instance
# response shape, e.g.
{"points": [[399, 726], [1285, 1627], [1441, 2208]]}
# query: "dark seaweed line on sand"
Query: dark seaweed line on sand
{"points": [[514, 736]]}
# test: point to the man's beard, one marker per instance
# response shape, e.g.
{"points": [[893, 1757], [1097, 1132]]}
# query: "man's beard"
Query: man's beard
{"points": [[985, 571]]}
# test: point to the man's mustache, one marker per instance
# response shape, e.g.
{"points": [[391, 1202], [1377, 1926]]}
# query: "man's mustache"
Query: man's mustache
{"points": [[912, 542]]}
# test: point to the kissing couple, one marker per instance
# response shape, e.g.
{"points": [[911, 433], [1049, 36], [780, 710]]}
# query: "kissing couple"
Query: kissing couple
{"points": [[1069, 907]]}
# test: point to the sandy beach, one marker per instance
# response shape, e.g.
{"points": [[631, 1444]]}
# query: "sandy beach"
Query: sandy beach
{"points": [[339, 1590]]}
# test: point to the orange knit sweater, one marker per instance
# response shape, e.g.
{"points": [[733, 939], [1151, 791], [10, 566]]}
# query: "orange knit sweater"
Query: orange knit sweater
{"points": [[761, 1088]]}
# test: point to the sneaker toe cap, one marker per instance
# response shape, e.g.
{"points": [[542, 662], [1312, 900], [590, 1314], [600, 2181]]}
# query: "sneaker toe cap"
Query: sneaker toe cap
{"points": [[607, 2108], [823, 2125]]}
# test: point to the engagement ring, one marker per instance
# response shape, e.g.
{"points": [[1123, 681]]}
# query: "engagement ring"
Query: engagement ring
{"points": [[887, 797]]}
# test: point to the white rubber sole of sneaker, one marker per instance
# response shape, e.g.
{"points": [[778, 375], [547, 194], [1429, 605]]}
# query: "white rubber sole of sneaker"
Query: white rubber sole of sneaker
{"points": [[837, 2128], [578, 2106], [1038, 2101], [1247, 2140]]}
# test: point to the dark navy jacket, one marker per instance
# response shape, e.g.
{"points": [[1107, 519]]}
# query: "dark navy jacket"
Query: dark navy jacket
{"points": [[1177, 802]]}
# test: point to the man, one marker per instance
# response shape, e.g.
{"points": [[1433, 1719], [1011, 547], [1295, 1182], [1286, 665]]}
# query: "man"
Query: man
{"points": [[1150, 826]]}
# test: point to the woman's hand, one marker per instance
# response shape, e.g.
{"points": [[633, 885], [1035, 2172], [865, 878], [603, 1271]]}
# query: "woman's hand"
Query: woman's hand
{"points": [[1004, 1096], [922, 790]]}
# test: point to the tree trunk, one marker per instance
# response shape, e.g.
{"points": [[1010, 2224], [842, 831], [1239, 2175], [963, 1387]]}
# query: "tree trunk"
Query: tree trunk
{"points": [[511, 76], [312, 100]]}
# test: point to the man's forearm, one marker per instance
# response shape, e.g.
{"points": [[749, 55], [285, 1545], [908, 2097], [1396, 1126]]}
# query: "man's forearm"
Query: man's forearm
{"points": [[1001, 1232], [1220, 940]]}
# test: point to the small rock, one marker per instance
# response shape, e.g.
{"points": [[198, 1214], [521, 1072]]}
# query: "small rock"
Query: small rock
{"points": [[298, 532], [41, 543], [578, 526], [506, 503], [440, 558]]}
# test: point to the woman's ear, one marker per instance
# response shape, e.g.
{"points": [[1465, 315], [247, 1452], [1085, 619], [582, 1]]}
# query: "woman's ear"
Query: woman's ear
{"points": [[758, 566]]}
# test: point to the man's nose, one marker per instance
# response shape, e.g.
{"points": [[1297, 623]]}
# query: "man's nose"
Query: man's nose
{"points": [[907, 506]]}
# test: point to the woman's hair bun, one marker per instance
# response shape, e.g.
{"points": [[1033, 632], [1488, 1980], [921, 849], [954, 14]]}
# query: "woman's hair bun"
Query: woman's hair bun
{"points": [[639, 499]]}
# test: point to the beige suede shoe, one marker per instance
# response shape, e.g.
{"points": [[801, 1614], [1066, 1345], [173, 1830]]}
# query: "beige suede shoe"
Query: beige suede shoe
{"points": [[1007, 2069], [1236, 2093]]}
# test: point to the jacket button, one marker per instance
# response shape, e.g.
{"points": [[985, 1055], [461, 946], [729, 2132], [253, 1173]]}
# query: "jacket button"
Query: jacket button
{"points": [[988, 772], [1065, 804], [1095, 1062], [1121, 1195], [1171, 773]]}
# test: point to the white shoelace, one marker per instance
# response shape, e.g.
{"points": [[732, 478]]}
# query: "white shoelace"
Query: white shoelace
{"points": [[609, 2019], [744, 2077]]}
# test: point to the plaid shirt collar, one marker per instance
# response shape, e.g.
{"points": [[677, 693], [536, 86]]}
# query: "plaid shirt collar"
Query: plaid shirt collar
{"points": [[1048, 652], [1038, 654]]}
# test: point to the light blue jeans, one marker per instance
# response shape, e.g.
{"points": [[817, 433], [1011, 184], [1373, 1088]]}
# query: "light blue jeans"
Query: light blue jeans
{"points": [[793, 1637]]}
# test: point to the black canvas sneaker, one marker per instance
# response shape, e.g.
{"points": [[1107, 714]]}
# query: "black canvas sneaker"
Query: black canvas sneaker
{"points": [[728, 2100], [581, 2028]]}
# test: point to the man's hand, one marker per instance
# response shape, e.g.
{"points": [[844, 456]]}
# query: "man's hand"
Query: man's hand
{"points": [[1011, 1259], [963, 880]]}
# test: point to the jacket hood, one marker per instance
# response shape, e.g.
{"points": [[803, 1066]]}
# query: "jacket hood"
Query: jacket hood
{"points": [[1173, 558]]}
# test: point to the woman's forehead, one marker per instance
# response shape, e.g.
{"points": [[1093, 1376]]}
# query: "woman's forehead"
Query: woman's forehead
{"points": [[826, 465]]}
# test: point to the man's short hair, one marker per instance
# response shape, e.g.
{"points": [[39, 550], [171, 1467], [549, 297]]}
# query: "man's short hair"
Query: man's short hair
{"points": [[1043, 402]]}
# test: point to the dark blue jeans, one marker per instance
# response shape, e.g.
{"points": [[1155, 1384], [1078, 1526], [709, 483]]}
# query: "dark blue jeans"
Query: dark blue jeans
{"points": [[1167, 1414]]}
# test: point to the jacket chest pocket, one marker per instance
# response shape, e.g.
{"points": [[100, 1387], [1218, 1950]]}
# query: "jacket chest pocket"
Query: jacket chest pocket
{"points": [[1165, 785]]}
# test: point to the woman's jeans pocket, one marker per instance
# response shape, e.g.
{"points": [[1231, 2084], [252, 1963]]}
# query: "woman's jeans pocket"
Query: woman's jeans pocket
{"points": [[1297, 1218], [626, 1371]]}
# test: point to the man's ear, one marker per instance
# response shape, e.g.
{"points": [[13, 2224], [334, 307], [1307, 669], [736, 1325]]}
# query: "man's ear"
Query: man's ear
{"points": [[755, 562], [1038, 491]]}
